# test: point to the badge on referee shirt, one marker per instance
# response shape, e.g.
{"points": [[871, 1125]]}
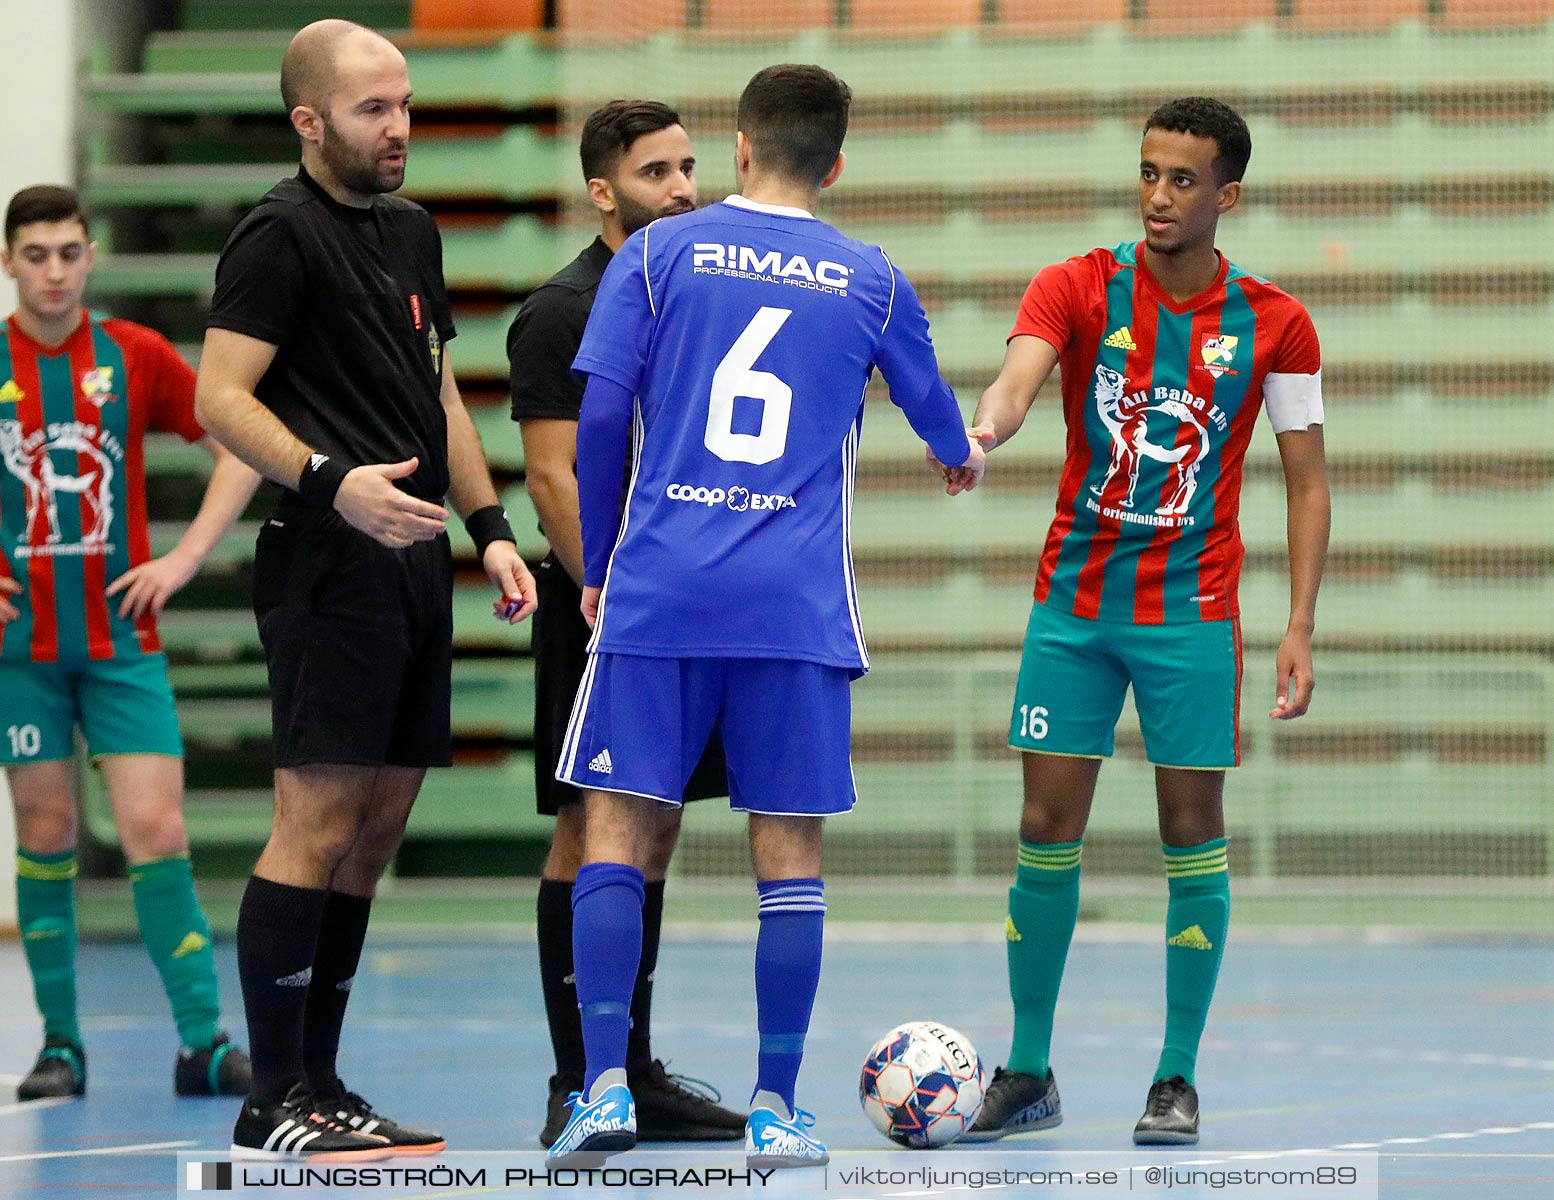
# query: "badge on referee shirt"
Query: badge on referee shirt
{"points": [[434, 344]]}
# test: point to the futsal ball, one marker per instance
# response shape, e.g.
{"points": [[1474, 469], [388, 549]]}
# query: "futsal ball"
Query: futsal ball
{"points": [[922, 1085]]}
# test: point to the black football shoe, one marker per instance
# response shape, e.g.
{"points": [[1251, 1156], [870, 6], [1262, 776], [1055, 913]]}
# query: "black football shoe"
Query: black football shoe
{"points": [[1170, 1115], [222, 1070], [294, 1130], [59, 1071], [675, 1108], [355, 1113], [557, 1109], [1016, 1103]]}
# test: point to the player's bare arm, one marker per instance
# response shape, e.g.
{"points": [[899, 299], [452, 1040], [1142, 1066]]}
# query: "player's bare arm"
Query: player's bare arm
{"points": [[469, 490], [1000, 413], [1028, 361], [149, 586], [1309, 519], [550, 469], [231, 366]]}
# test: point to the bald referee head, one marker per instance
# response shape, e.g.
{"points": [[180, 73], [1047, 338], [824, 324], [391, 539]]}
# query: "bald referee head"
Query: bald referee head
{"points": [[347, 91]]}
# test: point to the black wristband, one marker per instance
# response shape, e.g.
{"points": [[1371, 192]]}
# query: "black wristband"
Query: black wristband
{"points": [[487, 525], [321, 479]]}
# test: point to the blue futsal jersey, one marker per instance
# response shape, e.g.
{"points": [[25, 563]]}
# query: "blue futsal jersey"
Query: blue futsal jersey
{"points": [[747, 334]]}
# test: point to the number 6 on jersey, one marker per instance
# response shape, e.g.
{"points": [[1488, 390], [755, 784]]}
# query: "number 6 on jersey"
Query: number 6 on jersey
{"points": [[736, 376]]}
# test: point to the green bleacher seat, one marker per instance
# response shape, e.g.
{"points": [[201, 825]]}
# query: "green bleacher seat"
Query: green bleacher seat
{"points": [[193, 185], [288, 14], [480, 800], [1412, 513], [966, 246], [1409, 607], [239, 72], [1409, 425]]}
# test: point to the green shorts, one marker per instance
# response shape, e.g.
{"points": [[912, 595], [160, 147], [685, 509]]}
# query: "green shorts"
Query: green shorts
{"points": [[123, 706], [1074, 676]]}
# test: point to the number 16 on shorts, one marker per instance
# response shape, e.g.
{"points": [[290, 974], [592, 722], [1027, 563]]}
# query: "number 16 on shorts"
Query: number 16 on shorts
{"points": [[1031, 722]]}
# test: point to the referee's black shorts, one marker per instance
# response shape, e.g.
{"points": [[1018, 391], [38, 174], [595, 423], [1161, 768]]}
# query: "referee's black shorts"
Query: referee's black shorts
{"points": [[560, 655], [359, 642]]}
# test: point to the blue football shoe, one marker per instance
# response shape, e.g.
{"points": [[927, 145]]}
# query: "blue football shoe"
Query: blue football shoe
{"points": [[602, 1124], [774, 1141]]}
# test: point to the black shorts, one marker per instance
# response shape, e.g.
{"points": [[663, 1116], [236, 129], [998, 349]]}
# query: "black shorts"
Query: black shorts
{"points": [[359, 642], [560, 655]]}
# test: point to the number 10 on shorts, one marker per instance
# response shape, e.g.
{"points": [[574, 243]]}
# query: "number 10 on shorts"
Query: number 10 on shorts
{"points": [[26, 741], [1033, 721]]}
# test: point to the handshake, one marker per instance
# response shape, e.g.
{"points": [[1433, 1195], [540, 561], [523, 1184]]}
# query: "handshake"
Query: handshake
{"points": [[966, 476]]}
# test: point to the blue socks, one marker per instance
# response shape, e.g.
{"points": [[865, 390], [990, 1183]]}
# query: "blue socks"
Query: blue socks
{"points": [[606, 947], [787, 972]]}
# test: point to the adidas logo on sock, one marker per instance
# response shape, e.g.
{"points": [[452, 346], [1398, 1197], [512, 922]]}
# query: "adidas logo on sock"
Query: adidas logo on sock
{"points": [[1191, 938], [601, 763], [192, 943], [301, 979], [1010, 932]]}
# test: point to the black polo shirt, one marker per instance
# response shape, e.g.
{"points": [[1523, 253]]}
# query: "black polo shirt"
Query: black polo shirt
{"points": [[545, 336], [354, 301]]}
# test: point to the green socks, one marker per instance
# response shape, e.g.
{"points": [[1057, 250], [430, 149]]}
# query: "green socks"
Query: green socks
{"points": [[46, 913], [1196, 921], [178, 938], [1043, 907]]}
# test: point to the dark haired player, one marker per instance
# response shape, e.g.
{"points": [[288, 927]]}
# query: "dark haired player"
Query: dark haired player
{"points": [[1168, 351], [638, 166], [735, 344], [326, 368], [79, 598]]}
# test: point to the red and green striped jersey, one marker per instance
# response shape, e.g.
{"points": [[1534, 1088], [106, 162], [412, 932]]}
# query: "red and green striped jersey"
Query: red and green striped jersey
{"points": [[73, 420], [1160, 399]]}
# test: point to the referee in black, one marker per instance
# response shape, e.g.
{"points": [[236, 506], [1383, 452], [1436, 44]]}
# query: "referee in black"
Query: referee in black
{"points": [[638, 165], [326, 369]]}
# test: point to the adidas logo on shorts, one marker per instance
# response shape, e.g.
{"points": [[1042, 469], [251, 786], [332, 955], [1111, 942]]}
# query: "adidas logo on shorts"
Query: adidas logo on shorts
{"points": [[601, 763]]}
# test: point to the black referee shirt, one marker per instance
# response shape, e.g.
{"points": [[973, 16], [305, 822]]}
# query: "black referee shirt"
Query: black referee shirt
{"points": [[354, 301], [545, 336]]}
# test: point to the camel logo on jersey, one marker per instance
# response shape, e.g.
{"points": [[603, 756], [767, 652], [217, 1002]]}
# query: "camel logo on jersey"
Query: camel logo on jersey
{"points": [[1217, 351], [97, 385], [1164, 425], [91, 454]]}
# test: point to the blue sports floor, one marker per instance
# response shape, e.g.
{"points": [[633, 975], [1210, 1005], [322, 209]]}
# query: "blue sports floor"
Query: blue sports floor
{"points": [[1438, 1055]]}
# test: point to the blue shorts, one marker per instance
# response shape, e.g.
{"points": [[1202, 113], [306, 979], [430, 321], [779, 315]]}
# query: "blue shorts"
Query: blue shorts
{"points": [[639, 725]]}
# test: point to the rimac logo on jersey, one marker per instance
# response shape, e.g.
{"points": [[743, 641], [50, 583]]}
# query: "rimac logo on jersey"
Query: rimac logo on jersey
{"points": [[737, 498], [715, 258]]}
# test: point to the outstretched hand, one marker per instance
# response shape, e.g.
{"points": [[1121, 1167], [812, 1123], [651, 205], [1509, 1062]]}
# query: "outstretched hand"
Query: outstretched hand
{"points": [[9, 587], [369, 501], [968, 474]]}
